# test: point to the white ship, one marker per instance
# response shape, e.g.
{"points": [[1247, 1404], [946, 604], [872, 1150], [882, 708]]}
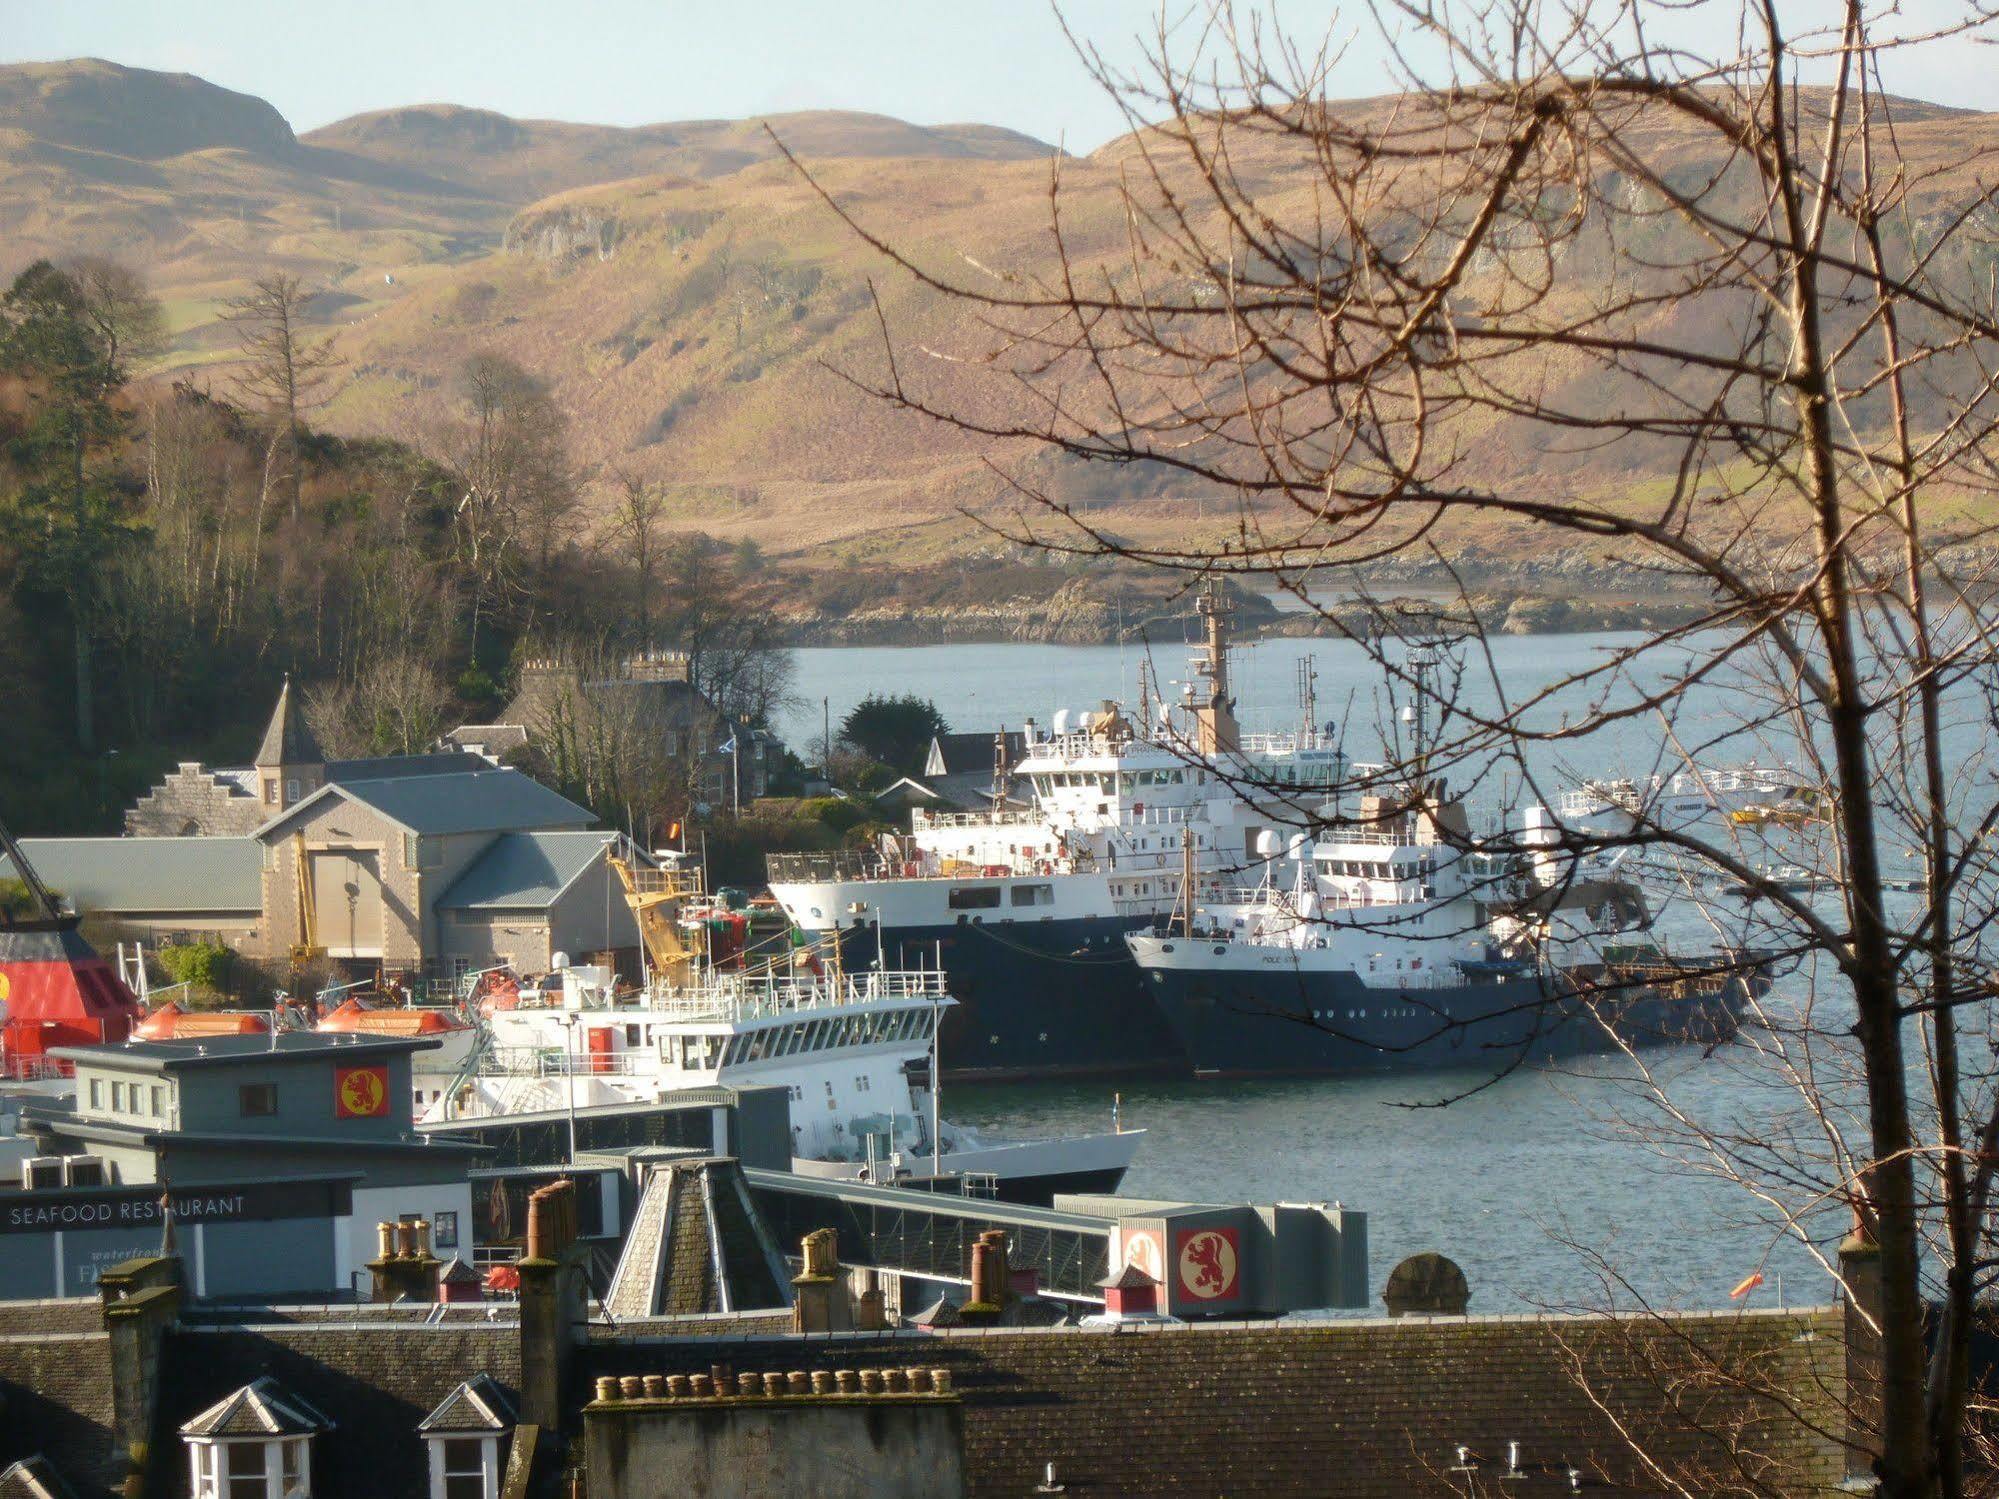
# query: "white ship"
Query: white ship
{"points": [[847, 1047], [1026, 908]]}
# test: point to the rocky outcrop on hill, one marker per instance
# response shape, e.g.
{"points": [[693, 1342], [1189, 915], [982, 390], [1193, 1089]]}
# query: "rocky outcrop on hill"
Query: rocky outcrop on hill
{"points": [[563, 234]]}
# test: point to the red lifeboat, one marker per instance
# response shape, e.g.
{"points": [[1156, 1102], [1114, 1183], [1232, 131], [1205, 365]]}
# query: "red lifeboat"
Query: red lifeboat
{"points": [[170, 1022], [353, 1016], [55, 990]]}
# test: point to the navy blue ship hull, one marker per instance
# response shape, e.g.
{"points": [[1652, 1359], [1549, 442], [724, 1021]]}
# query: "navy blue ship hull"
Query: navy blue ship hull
{"points": [[1035, 999], [1234, 1023]]}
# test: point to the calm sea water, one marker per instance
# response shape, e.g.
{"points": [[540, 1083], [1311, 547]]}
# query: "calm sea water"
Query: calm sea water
{"points": [[1528, 1181]]}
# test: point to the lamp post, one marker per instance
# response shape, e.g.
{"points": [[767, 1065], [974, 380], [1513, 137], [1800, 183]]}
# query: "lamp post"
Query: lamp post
{"points": [[568, 1023]]}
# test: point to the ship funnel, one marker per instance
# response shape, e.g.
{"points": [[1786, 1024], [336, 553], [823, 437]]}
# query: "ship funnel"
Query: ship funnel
{"points": [[1061, 724]]}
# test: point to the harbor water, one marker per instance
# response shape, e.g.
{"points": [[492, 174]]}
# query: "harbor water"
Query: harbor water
{"points": [[1544, 1183]]}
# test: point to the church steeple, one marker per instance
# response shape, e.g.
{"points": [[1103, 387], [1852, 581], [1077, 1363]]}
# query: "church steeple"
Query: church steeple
{"points": [[290, 763]]}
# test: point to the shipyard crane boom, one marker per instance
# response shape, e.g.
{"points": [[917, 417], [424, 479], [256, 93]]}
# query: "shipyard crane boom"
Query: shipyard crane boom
{"points": [[43, 905], [307, 948], [655, 896]]}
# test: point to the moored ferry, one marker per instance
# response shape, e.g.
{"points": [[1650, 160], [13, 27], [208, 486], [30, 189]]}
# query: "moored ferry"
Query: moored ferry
{"points": [[1025, 907]]}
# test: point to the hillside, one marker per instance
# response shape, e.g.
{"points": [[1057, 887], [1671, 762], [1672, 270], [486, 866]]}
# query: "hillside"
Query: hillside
{"points": [[522, 160], [203, 188], [701, 330], [694, 305]]}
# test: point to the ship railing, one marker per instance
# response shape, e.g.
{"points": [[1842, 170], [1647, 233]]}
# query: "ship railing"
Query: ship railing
{"points": [[823, 867], [1288, 742], [921, 818], [751, 998], [555, 1061], [1370, 837], [34, 1069]]}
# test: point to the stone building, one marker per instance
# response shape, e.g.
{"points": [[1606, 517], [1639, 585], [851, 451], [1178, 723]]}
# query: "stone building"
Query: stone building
{"points": [[199, 801], [651, 704], [436, 874]]}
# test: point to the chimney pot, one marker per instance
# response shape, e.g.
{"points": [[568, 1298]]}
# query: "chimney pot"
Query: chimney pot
{"points": [[774, 1384], [895, 1381], [700, 1384], [749, 1384], [822, 1381], [633, 1386], [607, 1388], [872, 1382], [655, 1386], [848, 1381], [919, 1381], [798, 1382], [940, 1381], [385, 1237], [678, 1386]]}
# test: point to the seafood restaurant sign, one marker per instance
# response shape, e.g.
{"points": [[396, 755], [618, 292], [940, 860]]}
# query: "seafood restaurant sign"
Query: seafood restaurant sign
{"points": [[66, 1209], [257, 1239]]}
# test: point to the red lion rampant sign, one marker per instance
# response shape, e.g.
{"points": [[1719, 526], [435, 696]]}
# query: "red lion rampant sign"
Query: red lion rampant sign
{"points": [[1209, 1262]]}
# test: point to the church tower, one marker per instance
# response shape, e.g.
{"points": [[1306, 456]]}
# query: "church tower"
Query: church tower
{"points": [[290, 763]]}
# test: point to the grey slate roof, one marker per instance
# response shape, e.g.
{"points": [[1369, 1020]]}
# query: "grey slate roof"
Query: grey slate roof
{"points": [[480, 799], [395, 767], [287, 741], [261, 1408], [479, 1404], [131, 875], [34, 1478], [524, 871]]}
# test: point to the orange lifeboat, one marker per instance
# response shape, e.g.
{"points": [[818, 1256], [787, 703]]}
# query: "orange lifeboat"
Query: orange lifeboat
{"points": [[352, 1015], [171, 1023]]}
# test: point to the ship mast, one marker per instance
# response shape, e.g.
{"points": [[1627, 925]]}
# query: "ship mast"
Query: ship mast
{"points": [[1214, 720]]}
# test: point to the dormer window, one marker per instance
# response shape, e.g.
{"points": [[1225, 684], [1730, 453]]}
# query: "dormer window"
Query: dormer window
{"points": [[254, 1444], [466, 1437]]}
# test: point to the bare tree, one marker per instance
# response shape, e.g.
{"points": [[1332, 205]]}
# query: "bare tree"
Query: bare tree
{"points": [[1590, 242], [639, 508], [395, 704], [285, 369], [509, 445]]}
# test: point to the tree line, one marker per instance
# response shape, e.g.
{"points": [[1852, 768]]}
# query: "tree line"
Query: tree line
{"points": [[170, 550]]}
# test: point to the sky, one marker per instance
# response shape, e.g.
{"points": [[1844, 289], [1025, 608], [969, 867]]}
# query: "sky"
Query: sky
{"points": [[629, 62]]}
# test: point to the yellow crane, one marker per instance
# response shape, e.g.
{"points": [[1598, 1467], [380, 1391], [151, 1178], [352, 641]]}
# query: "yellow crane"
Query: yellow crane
{"points": [[655, 897], [306, 950]]}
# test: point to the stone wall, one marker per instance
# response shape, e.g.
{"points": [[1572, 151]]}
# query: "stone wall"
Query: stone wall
{"points": [[832, 1447], [194, 802]]}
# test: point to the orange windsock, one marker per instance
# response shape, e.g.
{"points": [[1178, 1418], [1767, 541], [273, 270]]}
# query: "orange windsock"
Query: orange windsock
{"points": [[1748, 1284]]}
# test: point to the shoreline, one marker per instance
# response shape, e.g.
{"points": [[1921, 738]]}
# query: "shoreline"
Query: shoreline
{"points": [[1502, 613]]}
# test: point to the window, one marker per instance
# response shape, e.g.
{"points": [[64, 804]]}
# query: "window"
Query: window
{"points": [[250, 1469], [117, 1098], [464, 1467], [271, 792], [97, 1092], [444, 1230], [1034, 895], [258, 1100], [159, 1101], [974, 897], [291, 791]]}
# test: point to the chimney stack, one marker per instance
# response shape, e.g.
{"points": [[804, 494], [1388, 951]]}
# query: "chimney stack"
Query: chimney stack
{"points": [[405, 1269], [1860, 1271], [819, 1300]]}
